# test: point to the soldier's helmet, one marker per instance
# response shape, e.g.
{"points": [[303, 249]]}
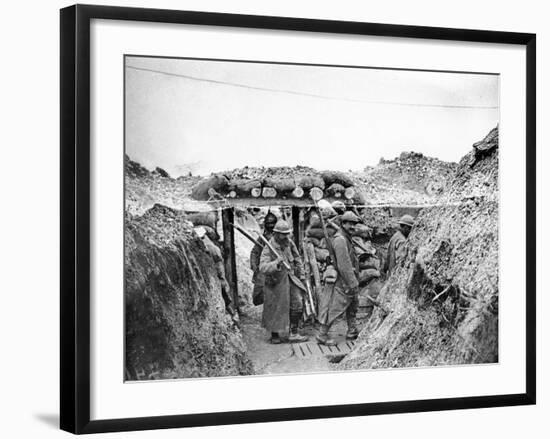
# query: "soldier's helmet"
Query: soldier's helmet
{"points": [[200, 231], [339, 206], [350, 217], [282, 227], [406, 220], [326, 209]]}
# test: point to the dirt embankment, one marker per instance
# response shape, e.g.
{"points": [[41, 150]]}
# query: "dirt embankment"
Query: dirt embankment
{"points": [[176, 324], [410, 179], [443, 296], [145, 188]]}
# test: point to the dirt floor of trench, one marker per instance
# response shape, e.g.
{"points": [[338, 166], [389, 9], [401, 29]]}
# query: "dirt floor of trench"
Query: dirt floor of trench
{"points": [[287, 358]]}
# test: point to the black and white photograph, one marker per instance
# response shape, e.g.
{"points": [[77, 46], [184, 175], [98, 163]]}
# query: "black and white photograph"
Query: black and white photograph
{"points": [[294, 218]]}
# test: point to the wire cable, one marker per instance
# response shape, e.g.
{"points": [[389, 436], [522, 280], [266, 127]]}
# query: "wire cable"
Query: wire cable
{"points": [[310, 95]]}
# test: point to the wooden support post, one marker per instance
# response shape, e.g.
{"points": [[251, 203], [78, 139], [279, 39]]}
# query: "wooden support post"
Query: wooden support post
{"points": [[228, 216], [296, 226]]}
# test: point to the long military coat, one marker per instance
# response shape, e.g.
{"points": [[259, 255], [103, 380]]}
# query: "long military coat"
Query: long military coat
{"points": [[258, 277], [335, 297], [396, 250], [278, 283]]}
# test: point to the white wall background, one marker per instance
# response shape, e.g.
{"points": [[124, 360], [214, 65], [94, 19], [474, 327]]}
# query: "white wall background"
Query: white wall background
{"points": [[30, 249]]}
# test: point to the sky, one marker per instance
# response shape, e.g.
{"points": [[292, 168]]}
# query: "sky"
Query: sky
{"points": [[209, 116]]}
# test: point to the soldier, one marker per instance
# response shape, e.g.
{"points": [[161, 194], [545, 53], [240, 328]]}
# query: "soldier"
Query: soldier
{"points": [[283, 288], [396, 247], [216, 254], [341, 296], [339, 207], [258, 278]]}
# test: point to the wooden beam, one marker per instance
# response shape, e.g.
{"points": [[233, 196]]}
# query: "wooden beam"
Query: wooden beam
{"points": [[230, 260], [296, 224]]}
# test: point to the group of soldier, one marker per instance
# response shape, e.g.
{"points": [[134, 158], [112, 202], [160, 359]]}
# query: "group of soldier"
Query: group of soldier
{"points": [[343, 263]]}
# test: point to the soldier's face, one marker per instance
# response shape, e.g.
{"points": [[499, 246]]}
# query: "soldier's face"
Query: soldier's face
{"points": [[405, 230], [348, 227], [281, 238], [269, 225]]}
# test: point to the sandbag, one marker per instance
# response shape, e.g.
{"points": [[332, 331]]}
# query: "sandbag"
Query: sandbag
{"points": [[331, 177], [217, 182], [330, 275], [365, 276], [314, 220], [335, 189], [280, 184], [209, 218], [369, 262], [317, 232], [310, 181], [362, 231], [244, 186], [321, 254], [315, 241]]}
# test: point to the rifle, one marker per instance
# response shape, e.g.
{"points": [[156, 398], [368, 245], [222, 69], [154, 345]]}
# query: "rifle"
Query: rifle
{"points": [[266, 242], [333, 256], [307, 269], [245, 233]]}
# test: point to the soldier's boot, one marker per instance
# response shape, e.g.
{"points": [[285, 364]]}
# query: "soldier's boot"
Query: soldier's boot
{"points": [[322, 336], [275, 339], [352, 332], [295, 336]]}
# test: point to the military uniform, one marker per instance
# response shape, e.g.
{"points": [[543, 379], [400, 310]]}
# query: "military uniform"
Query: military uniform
{"points": [[337, 297], [340, 296], [283, 289], [396, 246], [258, 278]]}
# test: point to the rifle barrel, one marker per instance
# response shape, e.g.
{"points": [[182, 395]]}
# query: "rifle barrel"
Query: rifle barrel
{"points": [[244, 233], [262, 237]]}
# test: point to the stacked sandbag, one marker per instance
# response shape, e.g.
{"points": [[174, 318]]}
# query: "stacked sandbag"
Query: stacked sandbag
{"points": [[370, 283], [369, 264], [316, 245], [207, 219], [216, 182], [366, 253], [276, 182]]}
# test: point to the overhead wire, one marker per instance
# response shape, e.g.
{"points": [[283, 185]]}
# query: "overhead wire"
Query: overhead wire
{"points": [[306, 94]]}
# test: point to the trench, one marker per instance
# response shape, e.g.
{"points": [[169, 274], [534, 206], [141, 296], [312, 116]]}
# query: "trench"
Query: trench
{"points": [[286, 358]]}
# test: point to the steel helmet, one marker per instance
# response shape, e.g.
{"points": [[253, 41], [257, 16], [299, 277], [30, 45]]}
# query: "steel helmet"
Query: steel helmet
{"points": [[200, 231], [406, 220], [326, 209], [282, 227], [338, 206], [350, 217]]}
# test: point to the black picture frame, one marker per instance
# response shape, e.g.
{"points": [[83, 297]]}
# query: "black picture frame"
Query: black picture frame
{"points": [[75, 217]]}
